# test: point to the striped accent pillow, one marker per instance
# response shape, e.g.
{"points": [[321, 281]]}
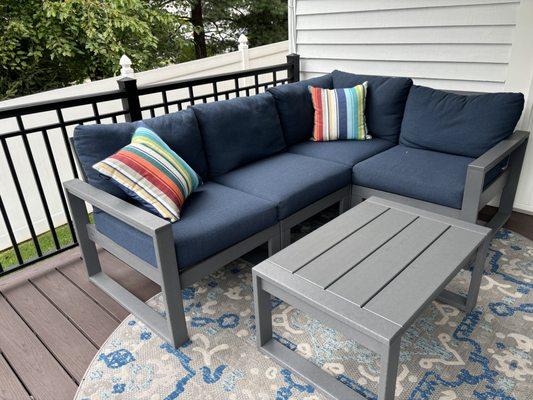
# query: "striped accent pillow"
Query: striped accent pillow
{"points": [[339, 113], [152, 173]]}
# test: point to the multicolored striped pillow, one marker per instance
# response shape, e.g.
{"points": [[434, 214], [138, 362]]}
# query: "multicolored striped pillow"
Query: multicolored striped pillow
{"points": [[150, 172], [339, 113]]}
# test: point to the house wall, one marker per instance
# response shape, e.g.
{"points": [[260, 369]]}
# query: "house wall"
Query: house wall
{"points": [[469, 45], [252, 58]]}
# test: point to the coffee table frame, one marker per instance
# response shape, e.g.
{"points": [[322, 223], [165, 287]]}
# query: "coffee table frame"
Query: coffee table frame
{"points": [[364, 326]]}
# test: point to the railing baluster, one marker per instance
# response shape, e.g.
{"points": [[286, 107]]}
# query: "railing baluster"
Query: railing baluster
{"points": [[38, 183], [20, 195], [191, 95], [237, 87], [152, 112], [274, 78], [57, 179], [114, 119], [215, 91], [96, 113], [256, 83], [10, 233], [65, 140], [165, 101]]}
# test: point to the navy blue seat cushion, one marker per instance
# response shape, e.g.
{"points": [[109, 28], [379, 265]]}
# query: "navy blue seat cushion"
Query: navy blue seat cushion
{"points": [[238, 131], [421, 174], [348, 152], [385, 101], [466, 125], [214, 218], [290, 181], [295, 107], [179, 130]]}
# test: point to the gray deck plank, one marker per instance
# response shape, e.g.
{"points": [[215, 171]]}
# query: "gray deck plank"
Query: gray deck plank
{"points": [[73, 350], [331, 265], [39, 371], [373, 273], [10, 386], [321, 239], [79, 308], [76, 273], [424, 278]]}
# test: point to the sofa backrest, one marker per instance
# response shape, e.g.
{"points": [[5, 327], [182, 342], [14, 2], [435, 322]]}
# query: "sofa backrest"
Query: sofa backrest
{"points": [[385, 101], [179, 130], [295, 107], [466, 125], [238, 131]]}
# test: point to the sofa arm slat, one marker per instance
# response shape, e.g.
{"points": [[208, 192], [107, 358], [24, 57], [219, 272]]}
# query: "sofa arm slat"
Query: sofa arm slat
{"points": [[496, 154], [130, 214]]}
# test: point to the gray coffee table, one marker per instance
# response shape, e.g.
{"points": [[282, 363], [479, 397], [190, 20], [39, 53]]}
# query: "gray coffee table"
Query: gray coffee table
{"points": [[368, 273]]}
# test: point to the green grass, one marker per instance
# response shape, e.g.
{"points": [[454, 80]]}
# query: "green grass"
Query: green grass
{"points": [[46, 242]]}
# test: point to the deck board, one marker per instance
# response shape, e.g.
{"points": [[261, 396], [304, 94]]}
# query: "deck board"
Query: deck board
{"points": [[40, 372], [69, 346], [10, 386], [79, 308]]}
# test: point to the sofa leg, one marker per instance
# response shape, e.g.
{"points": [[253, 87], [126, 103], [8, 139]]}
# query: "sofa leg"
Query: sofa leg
{"points": [[285, 237], [274, 245], [344, 204], [170, 286]]}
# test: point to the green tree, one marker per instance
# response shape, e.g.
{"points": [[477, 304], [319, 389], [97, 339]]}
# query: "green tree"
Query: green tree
{"points": [[46, 44]]}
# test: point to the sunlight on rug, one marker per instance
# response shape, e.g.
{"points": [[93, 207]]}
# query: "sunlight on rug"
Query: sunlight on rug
{"points": [[445, 355]]}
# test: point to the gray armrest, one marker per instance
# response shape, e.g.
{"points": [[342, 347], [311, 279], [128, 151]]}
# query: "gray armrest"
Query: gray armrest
{"points": [[496, 154], [134, 216]]}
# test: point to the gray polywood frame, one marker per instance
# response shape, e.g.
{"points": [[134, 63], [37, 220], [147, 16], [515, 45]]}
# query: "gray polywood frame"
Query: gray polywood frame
{"points": [[171, 328], [341, 196], [475, 196], [384, 340]]}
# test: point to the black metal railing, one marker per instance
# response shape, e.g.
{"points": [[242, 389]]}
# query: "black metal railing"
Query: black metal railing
{"points": [[38, 157]]}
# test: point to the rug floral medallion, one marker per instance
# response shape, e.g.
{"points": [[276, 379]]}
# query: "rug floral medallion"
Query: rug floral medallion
{"points": [[445, 355]]}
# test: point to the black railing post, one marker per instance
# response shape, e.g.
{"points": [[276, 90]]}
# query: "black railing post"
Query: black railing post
{"points": [[293, 74], [131, 101]]}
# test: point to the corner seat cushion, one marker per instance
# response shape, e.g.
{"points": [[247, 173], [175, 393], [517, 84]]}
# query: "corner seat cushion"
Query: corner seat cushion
{"points": [[420, 174], [290, 181], [295, 107], [239, 131], [385, 101], [214, 217], [347, 152], [466, 125], [179, 130]]}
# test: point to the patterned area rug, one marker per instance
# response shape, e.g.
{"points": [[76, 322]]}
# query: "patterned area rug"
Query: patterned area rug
{"points": [[445, 355]]}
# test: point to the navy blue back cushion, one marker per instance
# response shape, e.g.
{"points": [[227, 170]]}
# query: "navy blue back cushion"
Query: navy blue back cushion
{"points": [[179, 130], [466, 125], [295, 107], [385, 101], [238, 131]]}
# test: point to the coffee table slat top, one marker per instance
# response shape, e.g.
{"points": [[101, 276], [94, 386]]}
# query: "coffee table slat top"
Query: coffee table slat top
{"points": [[377, 265]]}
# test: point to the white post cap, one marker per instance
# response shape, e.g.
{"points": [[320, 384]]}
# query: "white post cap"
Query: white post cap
{"points": [[243, 41], [125, 64]]}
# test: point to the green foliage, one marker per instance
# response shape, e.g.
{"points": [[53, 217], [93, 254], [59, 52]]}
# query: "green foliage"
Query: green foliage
{"points": [[47, 44]]}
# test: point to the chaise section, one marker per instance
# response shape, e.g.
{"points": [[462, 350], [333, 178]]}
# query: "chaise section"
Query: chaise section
{"points": [[214, 218], [290, 181], [347, 152], [421, 174]]}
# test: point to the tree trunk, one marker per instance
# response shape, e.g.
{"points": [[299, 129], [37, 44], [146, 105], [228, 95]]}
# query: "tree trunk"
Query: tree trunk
{"points": [[197, 19]]}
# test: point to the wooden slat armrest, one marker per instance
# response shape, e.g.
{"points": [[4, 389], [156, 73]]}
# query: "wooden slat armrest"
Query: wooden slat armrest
{"points": [[496, 154], [130, 214]]}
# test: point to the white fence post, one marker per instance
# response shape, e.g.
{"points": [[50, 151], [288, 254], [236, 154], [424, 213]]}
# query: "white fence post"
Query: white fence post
{"points": [[126, 71], [245, 55]]}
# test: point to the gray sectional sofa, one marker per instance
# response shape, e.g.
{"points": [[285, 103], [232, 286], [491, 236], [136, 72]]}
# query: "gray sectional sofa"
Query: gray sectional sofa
{"points": [[262, 175]]}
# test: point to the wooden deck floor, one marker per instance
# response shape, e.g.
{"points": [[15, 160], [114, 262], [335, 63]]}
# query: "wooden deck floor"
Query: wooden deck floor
{"points": [[52, 321]]}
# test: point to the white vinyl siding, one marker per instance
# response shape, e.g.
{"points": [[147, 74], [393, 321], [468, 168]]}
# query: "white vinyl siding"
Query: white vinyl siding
{"points": [[447, 44]]}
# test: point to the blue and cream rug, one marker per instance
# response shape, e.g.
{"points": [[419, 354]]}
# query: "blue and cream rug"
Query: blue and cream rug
{"points": [[445, 355]]}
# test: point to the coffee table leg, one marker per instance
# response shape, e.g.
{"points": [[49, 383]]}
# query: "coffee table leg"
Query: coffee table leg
{"points": [[477, 274], [389, 371], [263, 312]]}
